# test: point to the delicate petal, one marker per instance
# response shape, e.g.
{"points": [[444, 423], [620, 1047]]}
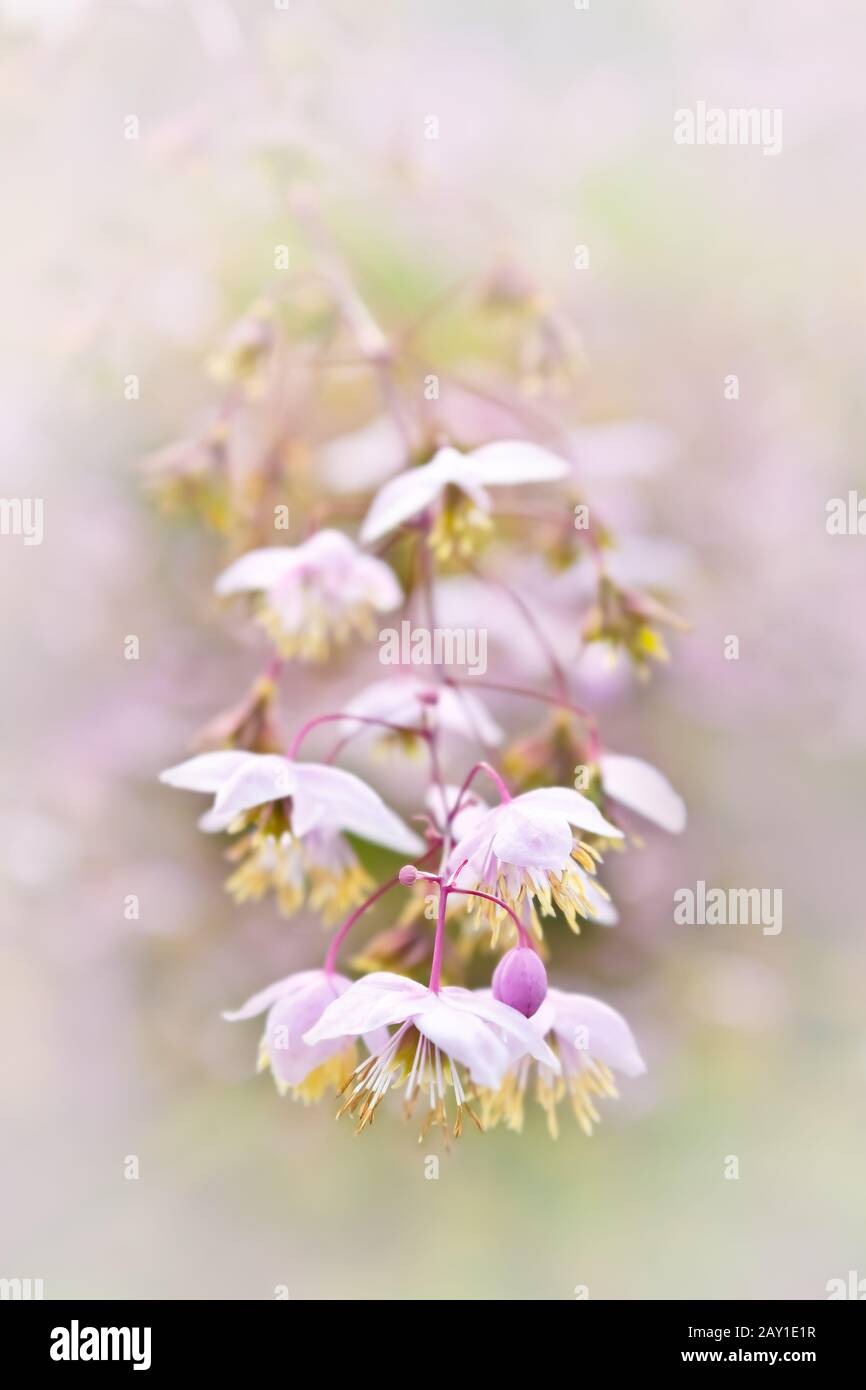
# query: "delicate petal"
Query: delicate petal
{"points": [[578, 810], [262, 777], [330, 796], [258, 569], [401, 700], [643, 788], [463, 713], [532, 838], [516, 461], [257, 1003], [205, 773], [401, 498], [378, 583], [468, 1039], [371, 1003], [291, 1058], [609, 1038], [518, 1032], [212, 822]]}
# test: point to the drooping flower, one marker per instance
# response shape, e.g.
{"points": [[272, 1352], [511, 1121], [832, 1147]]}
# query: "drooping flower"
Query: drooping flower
{"points": [[293, 1006], [456, 484], [415, 703], [591, 1042], [292, 817], [624, 619], [525, 852], [455, 1039], [314, 595], [563, 748]]}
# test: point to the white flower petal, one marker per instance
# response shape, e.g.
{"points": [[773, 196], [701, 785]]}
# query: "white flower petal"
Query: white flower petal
{"points": [[515, 461], [258, 569], [644, 789], [371, 1003], [262, 777], [280, 989], [609, 1038], [577, 809], [466, 1038], [330, 796], [401, 498], [205, 773], [532, 838], [521, 1034]]}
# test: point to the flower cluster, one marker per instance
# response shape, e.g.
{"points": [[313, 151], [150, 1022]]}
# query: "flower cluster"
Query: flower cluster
{"points": [[498, 873]]}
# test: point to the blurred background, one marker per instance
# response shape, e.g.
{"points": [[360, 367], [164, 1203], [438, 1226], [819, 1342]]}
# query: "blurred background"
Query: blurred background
{"points": [[129, 250]]}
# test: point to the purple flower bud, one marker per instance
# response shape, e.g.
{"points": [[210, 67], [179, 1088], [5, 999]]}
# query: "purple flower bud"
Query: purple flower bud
{"points": [[407, 875], [520, 980]]}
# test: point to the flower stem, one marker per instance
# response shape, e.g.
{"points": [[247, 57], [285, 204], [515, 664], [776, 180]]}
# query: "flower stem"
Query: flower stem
{"points": [[343, 931], [504, 793], [439, 943]]}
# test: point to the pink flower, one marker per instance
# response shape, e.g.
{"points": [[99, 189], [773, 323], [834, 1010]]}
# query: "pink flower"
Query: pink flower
{"points": [[294, 1005], [466, 477], [591, 1042], [525, 852], [413, 702], [296, 847], [316, 594], [437, 1035]]}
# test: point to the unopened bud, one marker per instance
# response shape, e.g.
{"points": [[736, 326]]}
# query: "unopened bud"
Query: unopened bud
{"points": [[408, 875], [520, 980]]}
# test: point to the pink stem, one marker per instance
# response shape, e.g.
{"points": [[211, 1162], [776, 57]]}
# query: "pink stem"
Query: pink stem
{"points": [[504, 793], [436, 968], [528, 692], [343, 931]]}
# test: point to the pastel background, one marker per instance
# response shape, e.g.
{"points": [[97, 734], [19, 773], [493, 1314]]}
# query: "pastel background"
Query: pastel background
{"points": [[133, 257]]}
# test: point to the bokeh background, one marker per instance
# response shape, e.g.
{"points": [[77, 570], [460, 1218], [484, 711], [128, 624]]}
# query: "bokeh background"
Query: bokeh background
{"points": [[125, 257]]}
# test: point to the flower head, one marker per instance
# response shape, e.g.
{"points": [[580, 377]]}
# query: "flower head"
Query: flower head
{"points": [[292, 817], [454, 1039], [591, 1042], [416, 703], [316, 594], [294, 1005], [457, 485], [525, 852]]}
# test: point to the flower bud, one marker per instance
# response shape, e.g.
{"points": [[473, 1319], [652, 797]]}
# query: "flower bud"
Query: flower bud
{"points": [[408, 875], [520, 980]]}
